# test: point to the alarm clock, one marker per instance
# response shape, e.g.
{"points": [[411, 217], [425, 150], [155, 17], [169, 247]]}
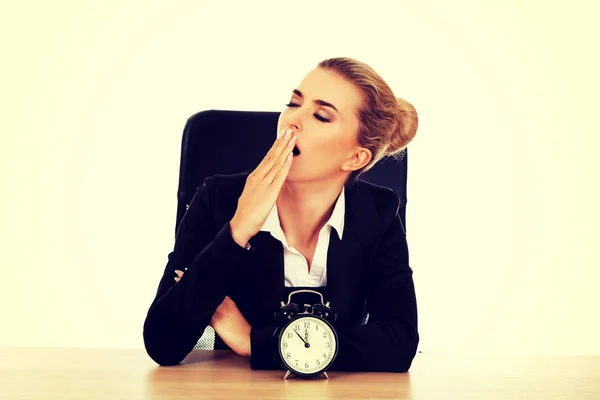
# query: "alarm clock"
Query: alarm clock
{"points": [[306, 341]]}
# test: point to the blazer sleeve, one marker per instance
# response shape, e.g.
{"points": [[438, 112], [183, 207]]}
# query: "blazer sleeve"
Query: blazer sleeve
{"points": [[388, 342], [182, 310]]}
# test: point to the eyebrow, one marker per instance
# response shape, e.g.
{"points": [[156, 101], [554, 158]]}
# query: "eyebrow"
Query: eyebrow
{"points": [[321, 102]]}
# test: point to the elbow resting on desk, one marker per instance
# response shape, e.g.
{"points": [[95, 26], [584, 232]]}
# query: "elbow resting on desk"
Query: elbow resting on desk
{"points": [[161, 350], [166, 340]]}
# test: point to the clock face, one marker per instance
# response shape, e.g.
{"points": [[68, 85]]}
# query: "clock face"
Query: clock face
{"points": [[307, 345]]}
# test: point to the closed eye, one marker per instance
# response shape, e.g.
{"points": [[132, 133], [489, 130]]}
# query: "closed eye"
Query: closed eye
{"points": [[317, 116]]}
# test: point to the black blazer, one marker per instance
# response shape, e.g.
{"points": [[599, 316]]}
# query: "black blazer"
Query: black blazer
{"points": [[367, 271]]}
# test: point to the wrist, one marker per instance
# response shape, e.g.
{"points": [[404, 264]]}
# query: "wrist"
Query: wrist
{"points": [[248, 344], [238, 236], [242, 346]]}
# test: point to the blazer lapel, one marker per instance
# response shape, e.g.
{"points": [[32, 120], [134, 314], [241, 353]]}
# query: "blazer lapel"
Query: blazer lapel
{"points": [[346, 272], [344, 275], [268, 274]]}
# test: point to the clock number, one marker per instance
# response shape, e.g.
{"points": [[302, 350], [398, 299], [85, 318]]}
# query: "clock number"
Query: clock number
{"points": [[324, 355], [324, 335], [290, 335], [318, 363], [317, 327], [297, 327], [285, 345], [327, 344], [287, 355], [296, 363], [307, 324], [305, 365]]}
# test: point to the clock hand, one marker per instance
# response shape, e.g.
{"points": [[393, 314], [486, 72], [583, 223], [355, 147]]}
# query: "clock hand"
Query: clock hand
{"points": [[300, 336], [305, 343]]}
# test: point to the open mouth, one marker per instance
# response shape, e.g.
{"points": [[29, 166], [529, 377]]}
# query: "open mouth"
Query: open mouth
{"points": [[296, 151]]}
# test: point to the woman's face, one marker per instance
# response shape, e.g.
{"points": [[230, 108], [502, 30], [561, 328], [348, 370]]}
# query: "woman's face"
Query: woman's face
{"points": [[322, 114]]}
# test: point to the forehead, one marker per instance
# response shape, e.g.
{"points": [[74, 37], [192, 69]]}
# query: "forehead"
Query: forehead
{"points": [[320, 84]]}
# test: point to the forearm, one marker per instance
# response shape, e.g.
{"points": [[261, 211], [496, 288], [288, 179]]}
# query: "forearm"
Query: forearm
{"points": [[181, 311], [378, 347]]}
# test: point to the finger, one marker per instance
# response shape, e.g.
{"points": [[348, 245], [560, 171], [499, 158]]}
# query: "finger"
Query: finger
{"points": [[280, 175], [284, 143], [177, 279], [282, 163], [276, 151], [283, 157], [179, 273], [279, 136]]}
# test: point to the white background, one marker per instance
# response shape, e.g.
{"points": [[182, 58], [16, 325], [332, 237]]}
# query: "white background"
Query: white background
{"points": [[503, 175]]}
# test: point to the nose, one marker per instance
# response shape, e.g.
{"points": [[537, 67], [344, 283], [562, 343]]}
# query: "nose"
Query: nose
{"points": [[294, 122]]}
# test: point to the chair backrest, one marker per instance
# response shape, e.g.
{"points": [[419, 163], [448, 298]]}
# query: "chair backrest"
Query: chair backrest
{"points": [[230, 142]]}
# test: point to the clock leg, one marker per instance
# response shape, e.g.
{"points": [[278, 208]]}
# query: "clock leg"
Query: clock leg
{"points": [[326, 376], [287, 374]]}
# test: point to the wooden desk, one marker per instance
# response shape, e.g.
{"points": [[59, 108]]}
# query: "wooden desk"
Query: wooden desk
{"points": [[29, 373]]}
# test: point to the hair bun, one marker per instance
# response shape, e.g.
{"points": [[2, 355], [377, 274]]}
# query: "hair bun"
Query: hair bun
{"points": [[406, 128]]}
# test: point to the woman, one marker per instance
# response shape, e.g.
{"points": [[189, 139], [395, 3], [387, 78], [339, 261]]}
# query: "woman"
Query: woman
{"points": [[301, 219]]}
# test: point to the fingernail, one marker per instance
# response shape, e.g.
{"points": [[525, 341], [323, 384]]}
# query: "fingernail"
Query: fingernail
{"points": [[292, 141], [288, 133], [280, 134]]}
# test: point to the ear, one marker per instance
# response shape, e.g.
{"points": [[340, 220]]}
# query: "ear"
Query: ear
{"points": [[361, 157]]}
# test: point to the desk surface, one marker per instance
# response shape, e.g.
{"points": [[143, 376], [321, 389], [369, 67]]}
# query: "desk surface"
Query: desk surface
{"points": [[31, 373]]}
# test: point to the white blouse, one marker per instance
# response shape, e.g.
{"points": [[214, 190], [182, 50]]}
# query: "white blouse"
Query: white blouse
{"points": [[295, 265]]}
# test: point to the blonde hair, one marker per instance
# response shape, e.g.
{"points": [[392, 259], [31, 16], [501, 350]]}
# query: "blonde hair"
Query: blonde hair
{"points": [[386, 123]]}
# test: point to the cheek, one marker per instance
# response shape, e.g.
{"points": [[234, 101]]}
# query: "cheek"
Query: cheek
{"points": [[327, 153], [281, 124], [334, 146]]}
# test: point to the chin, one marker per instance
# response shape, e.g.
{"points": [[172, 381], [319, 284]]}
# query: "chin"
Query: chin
{"points": [[295, 174], [301, 175]]}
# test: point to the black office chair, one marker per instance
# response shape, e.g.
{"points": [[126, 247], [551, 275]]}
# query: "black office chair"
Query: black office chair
{"points": [[230, 142]]}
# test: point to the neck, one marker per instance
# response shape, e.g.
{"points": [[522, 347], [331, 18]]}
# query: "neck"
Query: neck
{"points": [[305, 207]]}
